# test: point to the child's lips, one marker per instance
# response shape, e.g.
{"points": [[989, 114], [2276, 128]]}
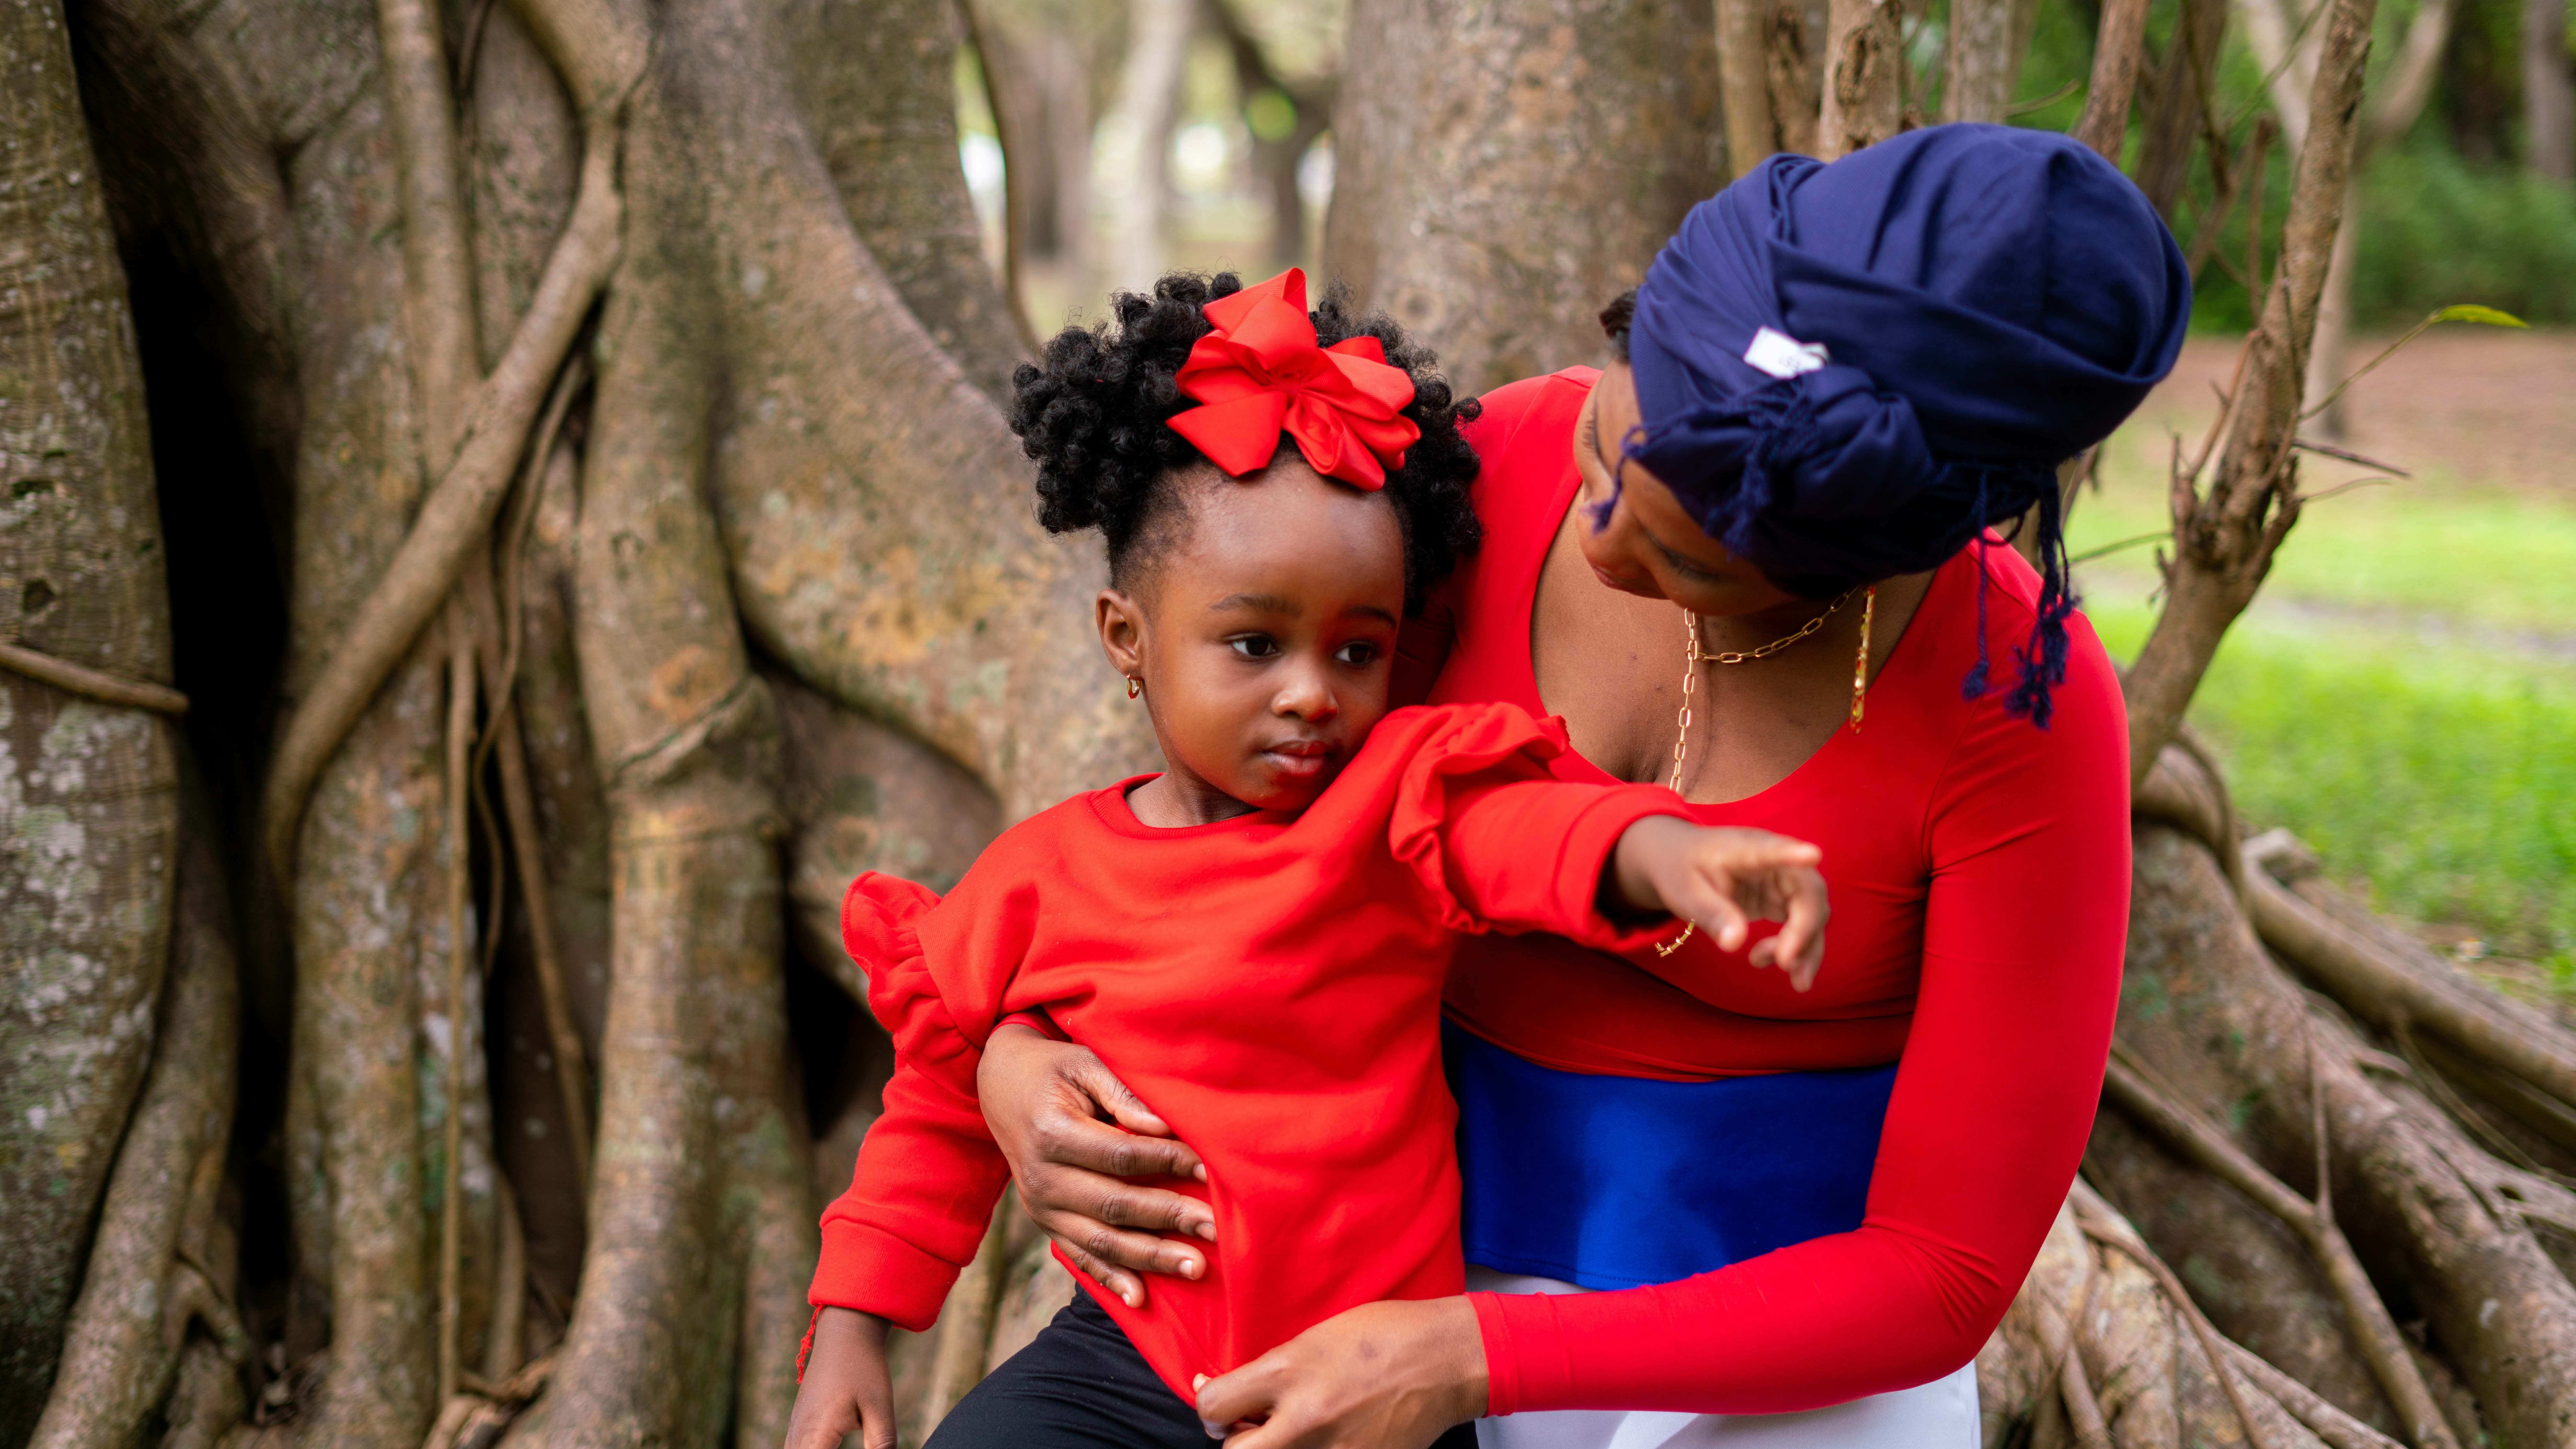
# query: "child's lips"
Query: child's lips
{"points": [[1298, 757]]}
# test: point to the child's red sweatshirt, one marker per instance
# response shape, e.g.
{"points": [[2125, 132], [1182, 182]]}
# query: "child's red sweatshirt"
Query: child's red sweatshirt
{"points": [[1270, 985]]}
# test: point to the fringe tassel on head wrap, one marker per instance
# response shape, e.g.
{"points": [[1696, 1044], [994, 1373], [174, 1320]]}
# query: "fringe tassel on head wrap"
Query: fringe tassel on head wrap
{"points": [[2043, 654], [1974, 686]]}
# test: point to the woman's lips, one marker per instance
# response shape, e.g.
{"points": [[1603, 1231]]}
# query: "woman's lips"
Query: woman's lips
{"points": [[1626, 583]]}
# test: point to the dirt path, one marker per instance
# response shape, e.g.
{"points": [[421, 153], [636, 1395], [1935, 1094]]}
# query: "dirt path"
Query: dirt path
{"points": [[2484, 406]]}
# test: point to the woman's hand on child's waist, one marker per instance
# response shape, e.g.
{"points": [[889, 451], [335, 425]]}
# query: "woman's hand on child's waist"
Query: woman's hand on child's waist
{"points": [[1388, 1375], [1071, 1132]]}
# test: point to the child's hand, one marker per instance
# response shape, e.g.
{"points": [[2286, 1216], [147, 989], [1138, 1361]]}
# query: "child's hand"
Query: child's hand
{"points": [[1725, 879], [846, 1390]]}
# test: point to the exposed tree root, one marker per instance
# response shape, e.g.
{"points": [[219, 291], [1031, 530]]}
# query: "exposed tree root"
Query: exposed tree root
{"points": [[460, 889], [2426, 1210], [2337, 1428], [457, 515], [2104, 1225], [2101, 1349], [501, 641], [2256, 1280], [89, 683], [2385, 988], [2374, 1333], [702, 1233]]}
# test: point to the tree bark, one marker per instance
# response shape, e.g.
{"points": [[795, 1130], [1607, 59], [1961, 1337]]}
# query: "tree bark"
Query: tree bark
{"points": [[158, 1280], [1453, 116], [88, 791], [1864, 95]]}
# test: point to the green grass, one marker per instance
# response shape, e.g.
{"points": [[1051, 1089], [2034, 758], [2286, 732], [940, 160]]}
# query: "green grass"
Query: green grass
{"points": [[2403, 696], [2422, 547]]}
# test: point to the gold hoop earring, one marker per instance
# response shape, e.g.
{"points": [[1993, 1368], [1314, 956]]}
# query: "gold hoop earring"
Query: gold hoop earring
{"points": [[1135, 686]]}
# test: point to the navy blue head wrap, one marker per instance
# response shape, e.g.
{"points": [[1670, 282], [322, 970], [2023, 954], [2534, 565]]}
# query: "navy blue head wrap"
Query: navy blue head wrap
{"points": [[1847, 371]]}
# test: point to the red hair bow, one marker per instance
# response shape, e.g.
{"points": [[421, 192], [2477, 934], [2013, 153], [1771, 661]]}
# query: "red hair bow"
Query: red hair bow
{"points": [[1260, 374]]}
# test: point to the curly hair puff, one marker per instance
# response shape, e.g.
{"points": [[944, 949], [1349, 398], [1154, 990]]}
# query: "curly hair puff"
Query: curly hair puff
{"points": [[1094, 420]]}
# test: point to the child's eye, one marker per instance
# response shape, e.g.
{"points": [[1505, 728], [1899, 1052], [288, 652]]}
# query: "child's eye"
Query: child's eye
{"points": [[1358, 653], [1254, 646]]}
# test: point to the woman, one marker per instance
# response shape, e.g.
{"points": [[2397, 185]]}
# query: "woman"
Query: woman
{"points": [[1805, 1212]]}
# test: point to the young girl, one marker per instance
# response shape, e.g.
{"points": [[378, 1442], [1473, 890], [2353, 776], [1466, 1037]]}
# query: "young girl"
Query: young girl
{"points": [[1255, 938]]}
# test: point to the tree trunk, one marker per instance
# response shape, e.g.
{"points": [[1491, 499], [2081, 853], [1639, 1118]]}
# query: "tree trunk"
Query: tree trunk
{"points": [[2223, 542], [773, 401], [2328, 351], [1042, 76], [2548, 98], [1796, 57], [1744, 82], [1276, 159], [2400, 99], [88, 789], [872, 86], [1140, 124], [1453, 117], [2119, 53], [2182, 107], [159, 1279], [1980, 59]]}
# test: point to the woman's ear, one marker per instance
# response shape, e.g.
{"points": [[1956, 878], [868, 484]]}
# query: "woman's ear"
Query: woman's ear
{"points": [[1122, 631]]}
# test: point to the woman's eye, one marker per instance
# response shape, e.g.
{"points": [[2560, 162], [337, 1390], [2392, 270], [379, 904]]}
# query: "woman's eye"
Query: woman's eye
{"points": [[1356, 654], [1255, 646]]}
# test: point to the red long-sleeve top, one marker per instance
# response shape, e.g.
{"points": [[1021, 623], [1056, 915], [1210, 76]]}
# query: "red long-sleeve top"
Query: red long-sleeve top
{"points": [[1980, 872], [1269, 983]]}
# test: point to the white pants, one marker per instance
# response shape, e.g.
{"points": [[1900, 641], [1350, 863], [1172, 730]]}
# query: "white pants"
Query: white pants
{"points": [[1939, 1415]]}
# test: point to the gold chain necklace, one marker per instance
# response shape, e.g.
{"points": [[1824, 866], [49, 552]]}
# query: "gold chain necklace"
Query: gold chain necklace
{"points": [[1693, 657]]}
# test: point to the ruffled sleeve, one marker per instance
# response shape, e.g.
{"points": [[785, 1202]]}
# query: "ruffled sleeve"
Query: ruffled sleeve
{"points": [[928, 1172], [1498, 843]]}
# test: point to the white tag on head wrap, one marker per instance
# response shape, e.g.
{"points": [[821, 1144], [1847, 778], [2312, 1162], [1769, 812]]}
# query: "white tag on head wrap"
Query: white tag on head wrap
{"points": [[1782, 355]]}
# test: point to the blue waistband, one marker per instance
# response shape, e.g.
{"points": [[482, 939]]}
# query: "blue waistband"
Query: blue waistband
{"points": [[1610, 1182]]}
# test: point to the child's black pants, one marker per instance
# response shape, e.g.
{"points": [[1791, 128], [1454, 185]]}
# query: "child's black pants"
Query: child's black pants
{"points": [[1081, 1385]]}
